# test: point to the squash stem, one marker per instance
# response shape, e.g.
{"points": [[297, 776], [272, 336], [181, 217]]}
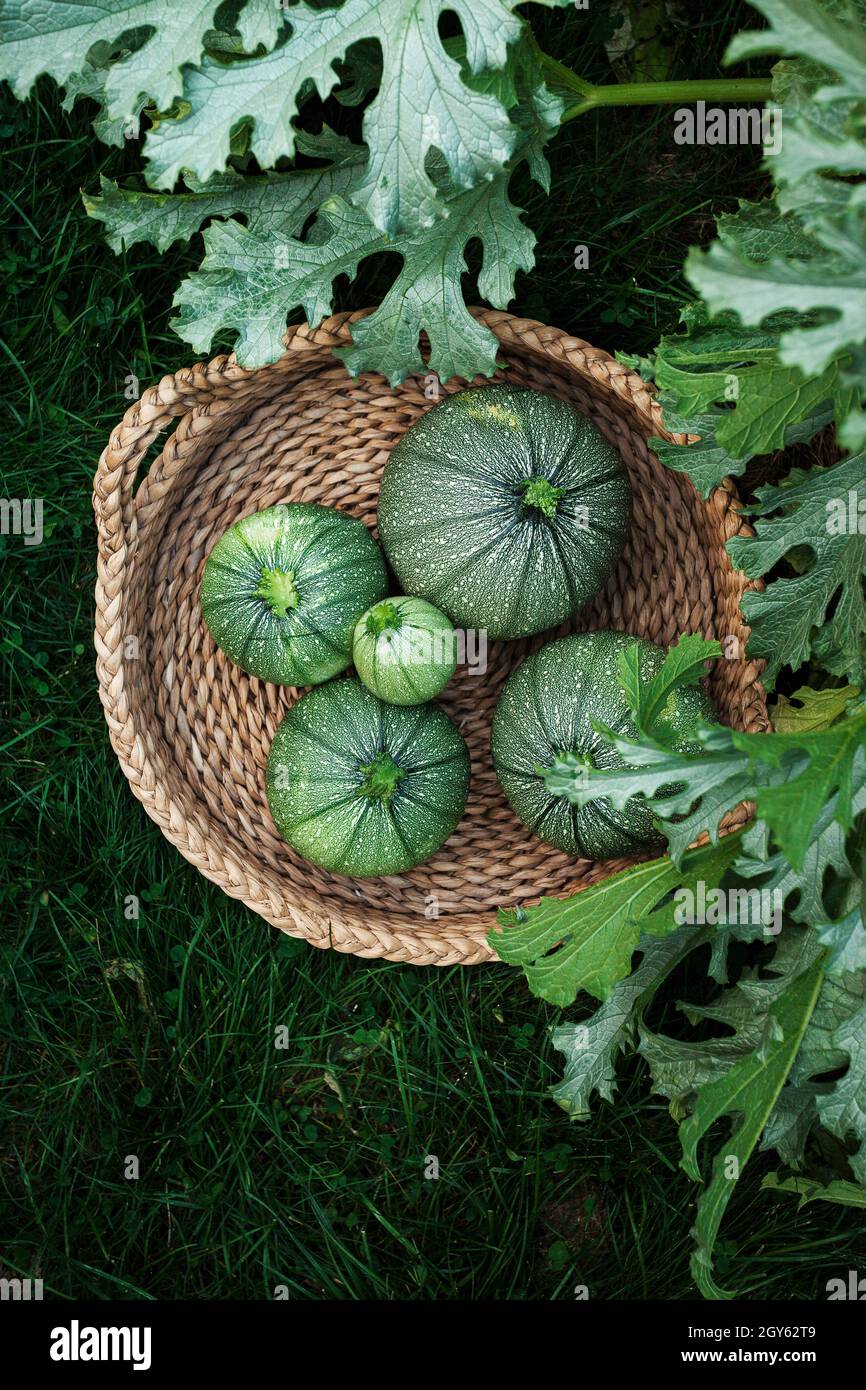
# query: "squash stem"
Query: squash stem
{"points": [[666, 93], [542, 495], [384, 617], [565, 79], [277, 588], [380, 778]]}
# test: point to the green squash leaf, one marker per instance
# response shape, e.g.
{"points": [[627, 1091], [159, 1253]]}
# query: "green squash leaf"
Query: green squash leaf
{"points": [[586, 942], [426, 293], [797, 1112], [690, 792], [836, 283], [726, 384], [797, 265], [470, 127], [592, 1046], [843, 1110], [39, 36], [749, 1090], [807, 709], [261, 22], [705, 461], [273, 203], [450, 120], [809, 31], [831, 762], [680, 1067], [812, 509], [845, 941], [786, 280], [843, 1194], [250, 280], [685, 663], [826, 850], [91, 82], [803, 783]]}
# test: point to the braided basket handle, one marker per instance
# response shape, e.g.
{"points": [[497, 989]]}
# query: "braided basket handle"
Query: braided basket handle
{"points": [[144, 421], [209, 389]]}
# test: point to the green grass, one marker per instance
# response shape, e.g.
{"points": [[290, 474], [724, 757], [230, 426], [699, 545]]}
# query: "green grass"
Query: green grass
{"points": [[301, 1166]]}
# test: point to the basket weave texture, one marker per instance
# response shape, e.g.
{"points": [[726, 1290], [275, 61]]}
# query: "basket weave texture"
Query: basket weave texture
{"points": [[192, 731]]}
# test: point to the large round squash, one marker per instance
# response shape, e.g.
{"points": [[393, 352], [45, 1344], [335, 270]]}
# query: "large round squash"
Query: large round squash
{"points": [[365, 788], [548, 707], [283, 589], [504, 507]]}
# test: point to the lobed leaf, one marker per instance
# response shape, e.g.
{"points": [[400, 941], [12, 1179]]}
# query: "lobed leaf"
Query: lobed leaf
{"points": [[811, 509], [591, 1046], [422, 105], [273, 202], [749, 1090], [42, 36], [586, 942]]}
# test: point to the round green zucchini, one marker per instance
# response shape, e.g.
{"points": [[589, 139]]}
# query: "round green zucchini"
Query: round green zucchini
{"points": [[283, 589], [504, 507], [547, 708], [364, 788], [404, 650]]}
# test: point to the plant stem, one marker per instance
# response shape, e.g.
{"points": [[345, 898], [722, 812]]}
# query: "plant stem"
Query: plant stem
{"points": [[540, 494], [380, 778], [277, 588], [385, 617], [647, 93], [665, 93]]}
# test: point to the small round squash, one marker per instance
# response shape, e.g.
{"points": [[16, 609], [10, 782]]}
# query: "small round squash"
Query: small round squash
{"points": [[404, 650], [547, 707], [283, 589], [364, 788], [504, 507]]}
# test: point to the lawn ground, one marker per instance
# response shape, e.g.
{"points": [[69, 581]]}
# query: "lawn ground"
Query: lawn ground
{"points": [[154, 1037]]}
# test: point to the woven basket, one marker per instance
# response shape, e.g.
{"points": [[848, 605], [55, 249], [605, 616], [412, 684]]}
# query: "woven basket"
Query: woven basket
{"points": [[192, 731]]}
